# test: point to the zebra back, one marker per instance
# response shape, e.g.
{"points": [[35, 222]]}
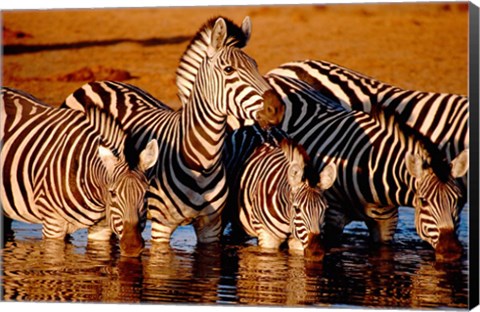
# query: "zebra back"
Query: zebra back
{"points": [[440, 117]]}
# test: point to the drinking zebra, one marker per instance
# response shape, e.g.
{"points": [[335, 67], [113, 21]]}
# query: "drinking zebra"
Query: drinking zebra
{"points": [[189, 184], [439, 117], [308, 111], [277, 197], [382, 164], [68, 170], [304, 102]]}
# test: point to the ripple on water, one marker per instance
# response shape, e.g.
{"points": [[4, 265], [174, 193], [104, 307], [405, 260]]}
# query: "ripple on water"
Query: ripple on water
{"points": [[354, 274]]}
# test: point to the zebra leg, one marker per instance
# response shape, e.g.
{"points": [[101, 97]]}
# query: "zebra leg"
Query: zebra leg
{"points": [[335, 222], [382, 223], [295, 245], [161, 234], [55, 229], [7, 226], [7, 231], [100, 231], [267, 240], [208, 228]]}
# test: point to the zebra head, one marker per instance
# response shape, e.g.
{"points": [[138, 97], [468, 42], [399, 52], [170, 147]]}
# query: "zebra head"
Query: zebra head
{"points": [[231, 81], [438, 203], [308, 204], [125, 196]]}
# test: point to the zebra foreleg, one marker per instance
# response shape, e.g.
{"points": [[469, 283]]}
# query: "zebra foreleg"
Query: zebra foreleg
{"points": [[7, 231], [382, 223], [267, 240], [295, 245], [100, 231], [208, 228], [161, 234], [335, 222], [7, 226]]}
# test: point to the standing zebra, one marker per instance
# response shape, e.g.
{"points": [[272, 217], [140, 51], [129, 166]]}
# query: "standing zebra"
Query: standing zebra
{"points": [[276, 200], [189, 184], [67, 170], [382, 164], [307, 109], [440, 117]]}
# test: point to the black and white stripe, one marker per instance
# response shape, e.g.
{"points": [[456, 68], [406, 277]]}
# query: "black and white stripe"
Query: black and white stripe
{"points": [[67, 170], [440, 117], [318, 86], [189, 184], [371, 154], [275, 200]]}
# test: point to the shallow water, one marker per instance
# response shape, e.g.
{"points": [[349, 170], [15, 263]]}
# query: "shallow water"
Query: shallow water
{"points": [[404, 275]]}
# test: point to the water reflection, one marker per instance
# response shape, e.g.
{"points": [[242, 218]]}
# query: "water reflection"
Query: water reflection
{"points": [[173, 275], [404, 275], [274, 278]]}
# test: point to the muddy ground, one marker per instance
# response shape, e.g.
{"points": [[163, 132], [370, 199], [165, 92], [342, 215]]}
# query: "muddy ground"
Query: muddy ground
{"points": [[50, 53]]}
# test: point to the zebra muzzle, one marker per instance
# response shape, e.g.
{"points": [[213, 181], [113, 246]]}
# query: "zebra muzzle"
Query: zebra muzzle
{"points": [[131, 242], [272, 112], [448, 247], [314, 250]]}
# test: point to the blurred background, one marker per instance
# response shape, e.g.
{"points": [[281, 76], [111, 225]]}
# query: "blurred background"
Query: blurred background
{"points": [[50, 53]]}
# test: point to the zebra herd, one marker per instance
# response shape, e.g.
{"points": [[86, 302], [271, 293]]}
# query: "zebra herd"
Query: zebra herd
{"points": [[294, 155]]}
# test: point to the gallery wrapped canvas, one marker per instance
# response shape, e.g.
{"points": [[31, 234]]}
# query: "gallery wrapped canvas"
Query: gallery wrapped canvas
{"points": [[381, 96]]}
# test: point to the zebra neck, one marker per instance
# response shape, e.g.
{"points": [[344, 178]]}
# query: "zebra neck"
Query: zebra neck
{"points": [[202, 135]]}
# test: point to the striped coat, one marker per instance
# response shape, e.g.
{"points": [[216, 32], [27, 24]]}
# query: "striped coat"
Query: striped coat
{"points": [[67, 170], [371, 154], [274, 196], [440, 117], [189, 184]]}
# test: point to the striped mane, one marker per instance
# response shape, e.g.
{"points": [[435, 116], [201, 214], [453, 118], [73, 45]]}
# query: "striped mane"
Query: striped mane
{"points": [[292, 151], [196, 52], [110, 131], [436, 159]]}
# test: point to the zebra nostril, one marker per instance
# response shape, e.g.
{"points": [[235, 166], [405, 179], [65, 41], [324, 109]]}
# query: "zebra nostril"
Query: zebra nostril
{"points": [[271, 111], [448, 247]]}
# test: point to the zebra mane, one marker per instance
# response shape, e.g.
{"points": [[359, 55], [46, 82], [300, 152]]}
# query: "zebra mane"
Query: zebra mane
{"points": [[109, 129], [196, 52], [27, 98], [437, 159], [290, 148]]}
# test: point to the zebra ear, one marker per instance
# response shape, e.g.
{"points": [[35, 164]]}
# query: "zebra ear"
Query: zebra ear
{"points": [[247, 27], [149, 156], [108, 158], [295, 173], [415, 165], [295, 170], [218, 37], [328, 176], [460, 164]]}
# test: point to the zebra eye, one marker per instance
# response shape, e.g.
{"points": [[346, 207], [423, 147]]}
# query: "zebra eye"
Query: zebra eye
{"points": [[423, 202], [113, 194], [228, 70]]}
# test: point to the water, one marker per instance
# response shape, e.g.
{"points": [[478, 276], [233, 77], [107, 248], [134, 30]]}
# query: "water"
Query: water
{"points": [[355, 274]]}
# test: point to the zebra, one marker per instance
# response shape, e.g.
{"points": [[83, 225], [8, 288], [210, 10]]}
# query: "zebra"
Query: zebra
{"points": [[67, 170], [189, 186], [440, 117], [277, 198], [304, 101], [382, 164]]}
